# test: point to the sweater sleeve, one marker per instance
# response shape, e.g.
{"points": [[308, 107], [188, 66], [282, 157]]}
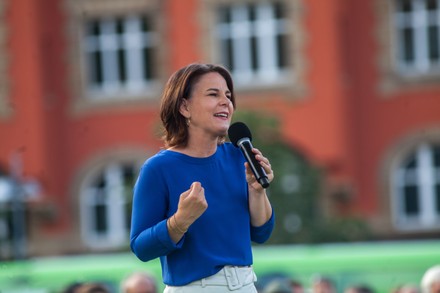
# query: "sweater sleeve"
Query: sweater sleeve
{"points": [[149, 236], [262, 233]]}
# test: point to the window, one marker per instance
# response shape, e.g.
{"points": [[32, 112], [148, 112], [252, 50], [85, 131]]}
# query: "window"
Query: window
{"points": [[253, 41], [106, 206], [119, 53], [416, 187], [417, 25], [114, 56]]}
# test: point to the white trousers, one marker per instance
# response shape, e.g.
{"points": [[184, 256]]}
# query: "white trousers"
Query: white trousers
{"points": [[229, 279]]}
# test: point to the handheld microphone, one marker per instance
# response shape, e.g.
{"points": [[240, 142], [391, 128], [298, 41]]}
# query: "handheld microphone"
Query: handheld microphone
{"points": [[241, 137]]}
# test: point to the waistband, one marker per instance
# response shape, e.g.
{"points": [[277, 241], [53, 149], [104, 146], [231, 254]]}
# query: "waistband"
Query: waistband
{"points": [[234, 277]]}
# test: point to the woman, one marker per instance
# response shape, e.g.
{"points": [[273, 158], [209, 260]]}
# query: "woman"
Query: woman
{"points": [[196, 203]]}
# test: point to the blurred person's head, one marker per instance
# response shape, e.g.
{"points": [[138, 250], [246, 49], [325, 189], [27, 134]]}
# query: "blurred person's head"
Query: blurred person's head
{"points": [[278, 285], [139, 282], [71, 288], [409, 288], [92, 288], [431, 280], [359, 289], [322, 284], [296, 287]]}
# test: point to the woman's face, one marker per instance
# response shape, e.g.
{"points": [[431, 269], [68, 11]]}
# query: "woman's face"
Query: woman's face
{"points": [[209, 108]]}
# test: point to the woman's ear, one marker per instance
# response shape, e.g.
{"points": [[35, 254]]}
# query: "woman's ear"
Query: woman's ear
{"points": [[184, 109]]}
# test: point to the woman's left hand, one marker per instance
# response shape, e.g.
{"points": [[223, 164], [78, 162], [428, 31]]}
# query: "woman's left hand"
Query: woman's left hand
{"points": [[264, 162]]}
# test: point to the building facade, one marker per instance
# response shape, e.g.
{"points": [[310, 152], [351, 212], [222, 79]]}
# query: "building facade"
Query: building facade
{"points": [[355, 85]]}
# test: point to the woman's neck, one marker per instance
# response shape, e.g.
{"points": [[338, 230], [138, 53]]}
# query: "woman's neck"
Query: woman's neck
{"points": [[197, 149]]}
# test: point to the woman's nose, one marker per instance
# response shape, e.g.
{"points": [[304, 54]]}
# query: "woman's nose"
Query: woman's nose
{"points": [[225, 100]]}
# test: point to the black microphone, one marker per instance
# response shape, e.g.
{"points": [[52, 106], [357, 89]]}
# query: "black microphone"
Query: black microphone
{"points": [[241, 137]]}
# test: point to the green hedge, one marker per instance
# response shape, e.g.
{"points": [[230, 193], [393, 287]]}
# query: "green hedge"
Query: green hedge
{"points": [[382, 265]]}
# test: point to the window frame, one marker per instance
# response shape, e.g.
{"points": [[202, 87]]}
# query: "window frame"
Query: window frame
{"points": [[114, 200], [418, 20], [424, 179], [292, 81], [256, 36], [111, 45], [80, 11], [393, 79]]}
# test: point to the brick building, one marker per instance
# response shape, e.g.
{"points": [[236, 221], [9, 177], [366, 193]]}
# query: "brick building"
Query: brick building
{"points": [[355, 84]]}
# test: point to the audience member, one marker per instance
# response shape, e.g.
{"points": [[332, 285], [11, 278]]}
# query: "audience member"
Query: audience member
{"points": [[359, 289], [431, 280], [92, 287], [296, 287], [409, 288], [71, 288], [323, 284], [278, 285], [139, 282]]}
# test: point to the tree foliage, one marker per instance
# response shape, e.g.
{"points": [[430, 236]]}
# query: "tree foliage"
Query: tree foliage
{"points": [[296, 190]]}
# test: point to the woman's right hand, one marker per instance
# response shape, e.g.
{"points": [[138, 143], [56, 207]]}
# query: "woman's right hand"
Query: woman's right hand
{"points": [[192, 204]]}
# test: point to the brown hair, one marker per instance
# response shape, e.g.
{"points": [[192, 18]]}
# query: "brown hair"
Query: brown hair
{"points": [[179, 87], [92, 288]]}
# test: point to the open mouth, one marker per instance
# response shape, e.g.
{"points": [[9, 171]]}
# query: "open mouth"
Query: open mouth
{"points": [[222, 115]]}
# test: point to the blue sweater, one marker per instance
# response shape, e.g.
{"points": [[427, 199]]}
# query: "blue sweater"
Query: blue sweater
{"points": [[221, 236]]}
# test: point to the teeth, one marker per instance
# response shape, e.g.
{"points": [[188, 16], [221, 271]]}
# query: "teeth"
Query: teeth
{"points": [[221, 115]]}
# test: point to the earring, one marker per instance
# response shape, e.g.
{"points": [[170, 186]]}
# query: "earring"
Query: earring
{"points": [[188, 121]]}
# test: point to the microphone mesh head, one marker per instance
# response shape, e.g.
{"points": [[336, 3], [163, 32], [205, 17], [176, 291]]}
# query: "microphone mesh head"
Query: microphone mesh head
{"points": [[237, 131]]}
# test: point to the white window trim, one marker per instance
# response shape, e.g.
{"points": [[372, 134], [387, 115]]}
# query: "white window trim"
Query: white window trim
{"points": [[132, 41], [291, 80], [85, 100], [117, 234], [425, 177], [393, 78], [81, 185], [265, 29], [419, 20]]}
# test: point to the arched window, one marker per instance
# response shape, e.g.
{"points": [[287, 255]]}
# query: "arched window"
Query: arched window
{"points": [[105, 205], [416, 189]]}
